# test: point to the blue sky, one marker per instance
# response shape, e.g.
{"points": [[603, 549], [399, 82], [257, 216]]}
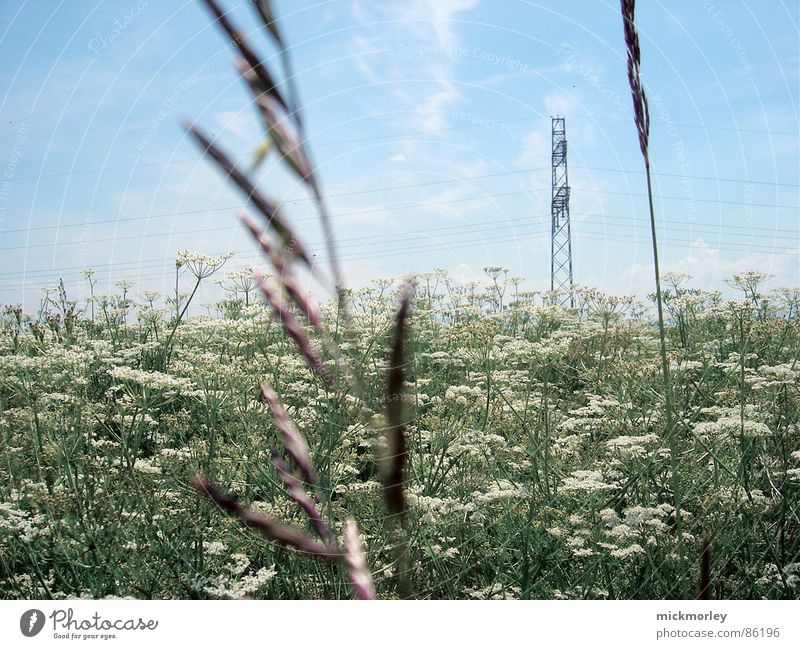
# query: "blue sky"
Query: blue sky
{"points": [[429, 122]]}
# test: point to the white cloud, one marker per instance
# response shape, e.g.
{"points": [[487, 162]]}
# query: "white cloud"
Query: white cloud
{"points": [[438, 14], [559, 104], [447, 203], [398, 157], [535, 150], [710, 267], [431, 111], [412, 42], [237, 123]]}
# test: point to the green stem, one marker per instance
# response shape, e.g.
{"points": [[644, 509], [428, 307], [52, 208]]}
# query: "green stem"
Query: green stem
{"points": [[168, 341], [670, 428]]}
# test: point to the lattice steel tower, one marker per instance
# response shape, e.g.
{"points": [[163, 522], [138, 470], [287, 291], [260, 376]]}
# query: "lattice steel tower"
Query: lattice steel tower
{"points": [[561, 241]]}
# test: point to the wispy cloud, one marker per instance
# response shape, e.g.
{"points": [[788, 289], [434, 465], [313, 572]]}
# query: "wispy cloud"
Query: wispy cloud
{"points": [[239, 124], [709, 267], [410, 46]]}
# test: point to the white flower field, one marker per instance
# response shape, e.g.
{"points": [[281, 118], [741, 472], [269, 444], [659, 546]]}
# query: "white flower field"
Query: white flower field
{"points": [[538, 463]]}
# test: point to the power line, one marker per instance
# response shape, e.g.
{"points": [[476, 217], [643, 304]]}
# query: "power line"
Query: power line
{"points": [[688, 226], [375, 138], [415, 248], [376, 211], [664, 197], [231, 208], [83, 172], [704, 127], [437, 247], [628, 219], [425, 184], [744, 181], [342, 243], [429, 247], [224, 227], [695, 227]]}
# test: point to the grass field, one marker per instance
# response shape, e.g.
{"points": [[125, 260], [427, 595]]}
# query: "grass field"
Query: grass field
{"points": [[440, 440], [537, 465]]}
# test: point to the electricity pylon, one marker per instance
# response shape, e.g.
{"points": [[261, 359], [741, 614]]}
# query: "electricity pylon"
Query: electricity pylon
{"points": [[561, 241]]}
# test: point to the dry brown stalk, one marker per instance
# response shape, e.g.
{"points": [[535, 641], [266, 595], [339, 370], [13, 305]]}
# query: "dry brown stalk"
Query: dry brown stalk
{"points": [[269, 527]]}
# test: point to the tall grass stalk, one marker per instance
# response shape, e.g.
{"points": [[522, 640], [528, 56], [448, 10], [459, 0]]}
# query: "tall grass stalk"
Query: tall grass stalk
{"points": [[284, 129], [641, 115]]}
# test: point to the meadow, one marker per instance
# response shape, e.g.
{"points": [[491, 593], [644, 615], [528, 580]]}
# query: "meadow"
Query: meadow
{"points": [[536, 468], [419, 438]]}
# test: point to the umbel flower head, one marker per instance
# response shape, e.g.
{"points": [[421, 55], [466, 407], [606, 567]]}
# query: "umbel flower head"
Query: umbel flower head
{"points": [[201, 266]]}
